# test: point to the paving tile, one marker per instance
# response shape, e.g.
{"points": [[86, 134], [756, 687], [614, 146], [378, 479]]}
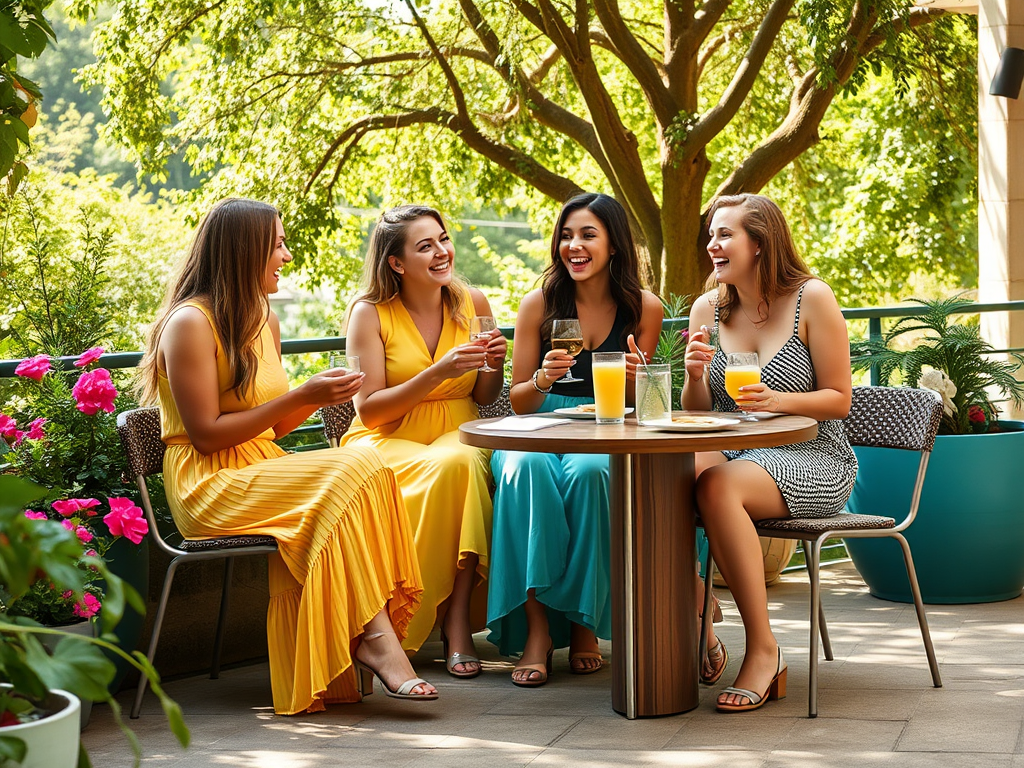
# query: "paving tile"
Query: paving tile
{"points": [[844, 735], [964, 721], [717, 731], [615, 732]]}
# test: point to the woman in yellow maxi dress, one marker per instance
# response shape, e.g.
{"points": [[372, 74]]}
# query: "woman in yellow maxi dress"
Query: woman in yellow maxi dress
{"points": [[411, 331], [345, 574]]}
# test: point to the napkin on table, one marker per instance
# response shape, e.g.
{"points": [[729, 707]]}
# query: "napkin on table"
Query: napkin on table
{"points": [[523, 423]]}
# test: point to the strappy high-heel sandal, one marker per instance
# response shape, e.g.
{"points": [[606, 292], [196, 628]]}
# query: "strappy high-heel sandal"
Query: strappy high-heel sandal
{"points": [[716, 611], [451, 660], [543, 670], [713, 665], [776, 690], [366, 673]]}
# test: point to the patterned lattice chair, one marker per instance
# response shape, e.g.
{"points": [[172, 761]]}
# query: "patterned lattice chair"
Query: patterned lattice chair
{"points": [[881, 417], [338, 418], [140, 434]]}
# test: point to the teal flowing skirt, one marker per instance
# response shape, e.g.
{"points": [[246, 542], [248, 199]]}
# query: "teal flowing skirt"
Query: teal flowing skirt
{"points": [[550, 534]]}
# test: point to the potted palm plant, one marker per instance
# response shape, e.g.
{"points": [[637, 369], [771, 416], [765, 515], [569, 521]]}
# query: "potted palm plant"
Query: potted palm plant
{"points": [[39, 698], [968, 537]]}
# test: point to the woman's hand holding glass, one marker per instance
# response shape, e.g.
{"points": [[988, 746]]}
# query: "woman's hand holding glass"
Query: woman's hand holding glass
{"points": [[484, 332], [556, 364], [331, 387], [699, 353], [459, 361]]}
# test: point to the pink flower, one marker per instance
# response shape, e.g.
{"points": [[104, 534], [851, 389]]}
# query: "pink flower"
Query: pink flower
{"points": [[68, 524], [34, 367], [83, 534], [8, 426], [66, 594], [976, 414], [31, 514], [89, 356], [19, 435], [94, 392], [125, 519], [89, 606], [70, 507], [35, 430], [91, 553]]}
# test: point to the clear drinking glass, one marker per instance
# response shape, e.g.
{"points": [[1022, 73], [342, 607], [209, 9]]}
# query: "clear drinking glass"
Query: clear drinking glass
{"points": [[349, 362], [653, 393], [566, 334], [609, 371], [480, 328]]}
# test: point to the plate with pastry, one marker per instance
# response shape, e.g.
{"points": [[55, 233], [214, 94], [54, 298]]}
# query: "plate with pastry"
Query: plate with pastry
{"points": [[582, 411], [693, 423]]}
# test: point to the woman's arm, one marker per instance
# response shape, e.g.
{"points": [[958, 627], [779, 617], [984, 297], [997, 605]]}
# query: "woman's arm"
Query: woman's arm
{"points": [[651, 316], [188, 352], [696, 395], [525, 353], [828, 340], [488, 383], [378, 404]]}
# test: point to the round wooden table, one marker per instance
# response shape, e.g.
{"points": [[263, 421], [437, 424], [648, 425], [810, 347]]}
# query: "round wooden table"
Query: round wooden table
{"points": [[654, 615]]}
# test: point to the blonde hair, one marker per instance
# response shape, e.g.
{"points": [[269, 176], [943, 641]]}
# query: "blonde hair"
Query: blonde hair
{"points": [[381, 283], [780, 270], [224, 272]]}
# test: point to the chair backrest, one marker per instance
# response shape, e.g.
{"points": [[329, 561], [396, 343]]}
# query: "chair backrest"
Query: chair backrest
{"points": [[894, 417], [139, 430], [338, 418]]}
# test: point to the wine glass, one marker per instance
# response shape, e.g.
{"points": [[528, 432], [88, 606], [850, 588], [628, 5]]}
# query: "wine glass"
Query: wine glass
{"points": [[480, 328], [741, 369], [349, 362], [566, 334]]}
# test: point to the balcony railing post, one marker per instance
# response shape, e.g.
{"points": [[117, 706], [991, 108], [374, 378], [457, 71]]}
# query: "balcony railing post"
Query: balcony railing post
{"points": [[875, 334]]}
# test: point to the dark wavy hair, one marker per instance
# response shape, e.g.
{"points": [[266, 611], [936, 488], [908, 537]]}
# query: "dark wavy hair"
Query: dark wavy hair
{"points": [[224, 272], [557, 284], [780, 270]]}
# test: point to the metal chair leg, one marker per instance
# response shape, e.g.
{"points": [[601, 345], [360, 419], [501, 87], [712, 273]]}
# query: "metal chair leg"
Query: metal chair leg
{"points": [[155, 638], [813, 555], [811, 552], [218, 641], [922, 620]]}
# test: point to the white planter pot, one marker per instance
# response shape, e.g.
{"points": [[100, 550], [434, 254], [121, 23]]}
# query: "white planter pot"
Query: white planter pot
{"points": [[53, 741]]}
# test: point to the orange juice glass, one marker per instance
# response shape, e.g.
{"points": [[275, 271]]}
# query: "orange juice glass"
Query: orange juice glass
{"points": [[741, 369], [609, 371]]}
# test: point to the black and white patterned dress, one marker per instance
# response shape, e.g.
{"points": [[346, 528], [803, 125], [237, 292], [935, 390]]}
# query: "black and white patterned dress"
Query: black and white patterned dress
{"points": [[815, 477]]}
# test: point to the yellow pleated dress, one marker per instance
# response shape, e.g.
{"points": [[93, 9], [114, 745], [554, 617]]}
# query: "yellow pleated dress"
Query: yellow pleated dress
{"points": [[344, 541], [445, 484]]}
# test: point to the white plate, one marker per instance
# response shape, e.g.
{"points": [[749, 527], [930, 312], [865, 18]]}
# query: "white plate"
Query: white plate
{"points": [[572, 413], [762, 415], [713, 425]]}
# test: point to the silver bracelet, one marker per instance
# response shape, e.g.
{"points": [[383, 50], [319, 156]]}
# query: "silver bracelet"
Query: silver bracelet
{"points": [[538, 386]]}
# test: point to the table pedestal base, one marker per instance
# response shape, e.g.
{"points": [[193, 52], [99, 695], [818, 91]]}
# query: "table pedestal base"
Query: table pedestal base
{"points": [[654, 635]]}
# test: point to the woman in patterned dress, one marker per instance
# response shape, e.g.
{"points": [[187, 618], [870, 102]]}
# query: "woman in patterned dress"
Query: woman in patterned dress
{"points": [[762, 298], [411, 331], [344, 582]]}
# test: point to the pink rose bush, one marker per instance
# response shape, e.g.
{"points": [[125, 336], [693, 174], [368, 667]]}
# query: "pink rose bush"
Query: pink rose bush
{"points": [[60, 433]]}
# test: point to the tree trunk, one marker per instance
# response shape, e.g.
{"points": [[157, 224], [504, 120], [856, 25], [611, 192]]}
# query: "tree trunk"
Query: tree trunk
{"points": [[683, 265]]}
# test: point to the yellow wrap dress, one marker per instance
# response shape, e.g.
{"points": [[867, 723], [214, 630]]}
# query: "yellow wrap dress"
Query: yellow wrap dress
{"points": [[445, 484], [344, 541]]}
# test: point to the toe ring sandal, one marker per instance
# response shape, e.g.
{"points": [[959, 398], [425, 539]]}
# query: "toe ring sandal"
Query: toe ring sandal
{"points": [[776, 690], [582, 668], [451, 660]]}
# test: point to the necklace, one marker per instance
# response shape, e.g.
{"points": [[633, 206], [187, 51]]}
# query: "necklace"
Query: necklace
{"points": [[759, 323]]}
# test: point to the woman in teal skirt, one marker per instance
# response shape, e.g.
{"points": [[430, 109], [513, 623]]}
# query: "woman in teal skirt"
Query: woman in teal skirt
{"points": [[550, 555]]}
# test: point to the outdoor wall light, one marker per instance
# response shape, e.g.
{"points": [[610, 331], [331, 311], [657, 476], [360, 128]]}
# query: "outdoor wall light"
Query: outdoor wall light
{"points": [[1009, 74]]}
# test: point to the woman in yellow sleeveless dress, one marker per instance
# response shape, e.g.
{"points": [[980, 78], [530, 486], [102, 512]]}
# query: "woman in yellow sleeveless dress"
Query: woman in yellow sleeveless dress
{"points": [[411, 331], [345, 574]]}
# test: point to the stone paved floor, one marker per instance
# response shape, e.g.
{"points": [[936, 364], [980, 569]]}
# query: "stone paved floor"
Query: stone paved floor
{"points": [[876, 706]]}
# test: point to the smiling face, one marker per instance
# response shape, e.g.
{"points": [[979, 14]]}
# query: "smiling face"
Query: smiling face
{"points": [[427, 256], [733, 253], [584, 245], [278, 258]]}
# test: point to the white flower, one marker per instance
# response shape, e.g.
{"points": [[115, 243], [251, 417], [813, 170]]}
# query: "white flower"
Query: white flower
{"points": [[938, 381]]}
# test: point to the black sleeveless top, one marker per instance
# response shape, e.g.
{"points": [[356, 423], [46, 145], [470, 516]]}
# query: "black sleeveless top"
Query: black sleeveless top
{"points": [[582, 370]]}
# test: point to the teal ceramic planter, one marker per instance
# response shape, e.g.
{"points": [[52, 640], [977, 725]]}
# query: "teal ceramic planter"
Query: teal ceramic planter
{"points": [[968, 537]]}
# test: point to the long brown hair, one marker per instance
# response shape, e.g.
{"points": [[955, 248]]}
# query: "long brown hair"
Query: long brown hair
{"points": [[224, 271], [780, 270], [559, 288], [381, 283]]}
